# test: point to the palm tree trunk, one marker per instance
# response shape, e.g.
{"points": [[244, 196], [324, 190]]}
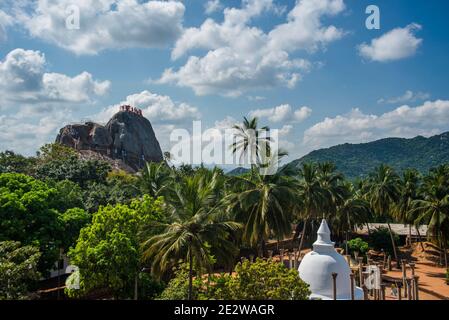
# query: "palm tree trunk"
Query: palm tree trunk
{"points": [[367, 226], [410, 235], [190, 275], [419, 239], [445, 254], [303, 235], [443, 247], [262, 251], [394, 245]]}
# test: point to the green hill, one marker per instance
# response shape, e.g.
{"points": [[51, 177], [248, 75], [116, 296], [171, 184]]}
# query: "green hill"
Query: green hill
{"points": [[357, 160], [237, 171]]}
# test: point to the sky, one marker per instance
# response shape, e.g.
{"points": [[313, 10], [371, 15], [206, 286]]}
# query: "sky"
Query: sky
{"points": [[310, 68]]}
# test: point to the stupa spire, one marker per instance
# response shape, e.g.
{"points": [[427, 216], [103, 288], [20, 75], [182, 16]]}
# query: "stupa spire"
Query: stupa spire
{"points": [[323, 240]]}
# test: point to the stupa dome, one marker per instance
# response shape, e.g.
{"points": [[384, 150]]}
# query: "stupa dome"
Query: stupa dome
{"points": [[316, 269]]}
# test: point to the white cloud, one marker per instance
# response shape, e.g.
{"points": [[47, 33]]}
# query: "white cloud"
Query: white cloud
{"points": [[23, 79], [158, 109], [304, 30], [23, 135], [302, 114], [282, 113], [285, 130], [38, 103], [104, 24], [396, 44], [408, 96], [240, 57], [5, 21], [229, 73], [355, 127], [212, 6], [256, 98]]}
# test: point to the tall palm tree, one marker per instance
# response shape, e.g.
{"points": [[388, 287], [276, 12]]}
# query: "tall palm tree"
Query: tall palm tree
{"points": [[352, 212], [155, 179], [409, 192], [383, 193], [312, 196], [250, 141], [264, 204], [433, 209], [360, 190], [197, 226], [331, 183]]}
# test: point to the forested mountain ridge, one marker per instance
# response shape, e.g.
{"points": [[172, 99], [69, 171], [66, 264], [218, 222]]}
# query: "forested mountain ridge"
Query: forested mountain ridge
{"points": [[357, 160]]}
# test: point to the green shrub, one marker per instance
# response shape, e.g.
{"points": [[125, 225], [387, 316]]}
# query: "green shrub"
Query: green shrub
{"points": [[380, 239], [261, 280], [447, 276], [178, 287], [266, 280], [358, 245]]}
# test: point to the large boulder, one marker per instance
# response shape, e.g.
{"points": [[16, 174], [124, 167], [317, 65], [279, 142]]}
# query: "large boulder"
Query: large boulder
{"points": [[133, 138], [127, 136]]}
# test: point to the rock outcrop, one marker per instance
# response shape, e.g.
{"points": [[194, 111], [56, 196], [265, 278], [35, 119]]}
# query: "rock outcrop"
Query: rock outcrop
{"points": [[127, 136]]}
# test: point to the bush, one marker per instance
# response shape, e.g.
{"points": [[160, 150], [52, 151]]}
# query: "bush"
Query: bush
{"points": [[358, 245], [261, 280], [379, 239], [178, 287], [266, 280], [18, 269], [107, 251], [447, 276]]}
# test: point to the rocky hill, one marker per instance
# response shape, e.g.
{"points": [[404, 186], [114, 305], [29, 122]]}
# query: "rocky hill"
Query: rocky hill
{"points": [[126, 141], [357, 160]]}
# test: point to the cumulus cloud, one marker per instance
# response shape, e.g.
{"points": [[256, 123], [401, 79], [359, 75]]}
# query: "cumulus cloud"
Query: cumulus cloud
{"points": [[355, 127], [19, 133], [104, 24], [396, 44], [23, 79], [285, 130], [212, 6], [304, 30], [302, 114], [240, 57], [408, 96], [282, 113], [159, 109], [35, 103]]}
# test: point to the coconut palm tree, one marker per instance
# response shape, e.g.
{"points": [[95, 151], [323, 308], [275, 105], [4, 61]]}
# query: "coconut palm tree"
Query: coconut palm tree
{"points": [[251, 142], [383, 193], [264, 204], [433, 209], [312, 197], [409, 192], [331, 183], [352, 212], [155, 179], [197, 228]]}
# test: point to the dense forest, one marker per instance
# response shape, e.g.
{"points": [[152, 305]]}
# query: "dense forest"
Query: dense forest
{"points": [[178, 232]]}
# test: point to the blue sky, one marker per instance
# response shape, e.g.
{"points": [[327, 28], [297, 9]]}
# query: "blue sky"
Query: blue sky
{"points": [[310, 67]]}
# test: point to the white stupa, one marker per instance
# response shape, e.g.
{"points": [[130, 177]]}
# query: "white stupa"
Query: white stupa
{"points": [[316, 269]]}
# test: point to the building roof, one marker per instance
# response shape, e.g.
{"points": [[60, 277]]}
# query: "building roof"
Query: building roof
{"points": [[398, 228]]}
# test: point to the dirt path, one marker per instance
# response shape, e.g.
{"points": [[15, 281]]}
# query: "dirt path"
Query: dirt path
{"points": [[431, 281]]}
